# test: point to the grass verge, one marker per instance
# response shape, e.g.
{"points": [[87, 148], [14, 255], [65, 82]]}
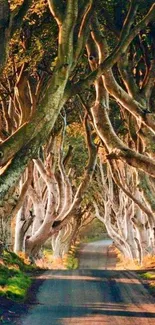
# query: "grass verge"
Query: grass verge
{"points": [[14, 282], [149, 280]]}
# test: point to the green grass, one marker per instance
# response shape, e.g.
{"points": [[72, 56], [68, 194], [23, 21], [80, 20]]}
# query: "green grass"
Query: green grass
{"points": [[10, 258], [87, 240], [14, 282], [147, 275], [151, 281]]}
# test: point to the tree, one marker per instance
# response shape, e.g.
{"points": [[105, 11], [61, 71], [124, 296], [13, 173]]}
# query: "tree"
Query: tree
{"points": [[93, 48], [31, 135]]}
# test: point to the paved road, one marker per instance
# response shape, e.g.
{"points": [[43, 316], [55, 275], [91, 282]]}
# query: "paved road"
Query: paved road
{"points": [[94, 297], [97, 255]]}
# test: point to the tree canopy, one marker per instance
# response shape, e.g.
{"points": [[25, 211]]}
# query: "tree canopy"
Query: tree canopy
{"points": [[74, 70]]}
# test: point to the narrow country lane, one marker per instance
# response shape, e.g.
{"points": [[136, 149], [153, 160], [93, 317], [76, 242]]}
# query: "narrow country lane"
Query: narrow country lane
{"points": [[97, 255], [91, 296]]}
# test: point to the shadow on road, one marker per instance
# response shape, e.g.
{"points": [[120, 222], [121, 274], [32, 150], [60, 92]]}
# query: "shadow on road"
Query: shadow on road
{"points": [[91, 309], [82, 295]]}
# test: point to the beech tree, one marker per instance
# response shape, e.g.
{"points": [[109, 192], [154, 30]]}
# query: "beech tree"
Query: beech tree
{"points": [[83, 49], [54, 191], [73, 31], [122, 207]]}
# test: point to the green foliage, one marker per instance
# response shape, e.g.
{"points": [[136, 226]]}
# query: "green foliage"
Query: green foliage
{"points": [[14, 4], [35, 43], [4, 275], [148, 275], [70, 261], [75, 137], [16, 286], [10, 258], [94, 231], [149, 278], [14, 283]]}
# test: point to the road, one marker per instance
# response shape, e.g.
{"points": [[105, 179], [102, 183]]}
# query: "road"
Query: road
{"points": [[97, 255], [91, 296]]}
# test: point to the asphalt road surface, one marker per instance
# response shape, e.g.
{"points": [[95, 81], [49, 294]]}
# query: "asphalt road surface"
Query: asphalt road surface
{"points": [[98, 255], [91, 296]]}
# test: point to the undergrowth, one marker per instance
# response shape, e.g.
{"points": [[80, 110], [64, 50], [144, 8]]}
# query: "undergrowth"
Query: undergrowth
{"points": [[149, 278], [133, 264], [47, 259], [70, 260], [126, 263], [14, 282], [149, 262]]}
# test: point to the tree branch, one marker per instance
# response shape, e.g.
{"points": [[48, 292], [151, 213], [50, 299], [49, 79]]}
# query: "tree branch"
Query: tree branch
{"points": [[118, 51], [130, 195], [16, 18], [56, 9], [24, 189], [129, 19], [83, 30], [10, 23], [110, 23], [89, 170]]}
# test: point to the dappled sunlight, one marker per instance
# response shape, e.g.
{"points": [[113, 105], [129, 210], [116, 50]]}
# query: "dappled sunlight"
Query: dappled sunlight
{"points": [[52, 264], [77, 167], [132, 264], [149, 261], [93, 320], [76, 277], [49, 262], [88, 278], [91, 297], [94, 313]]}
